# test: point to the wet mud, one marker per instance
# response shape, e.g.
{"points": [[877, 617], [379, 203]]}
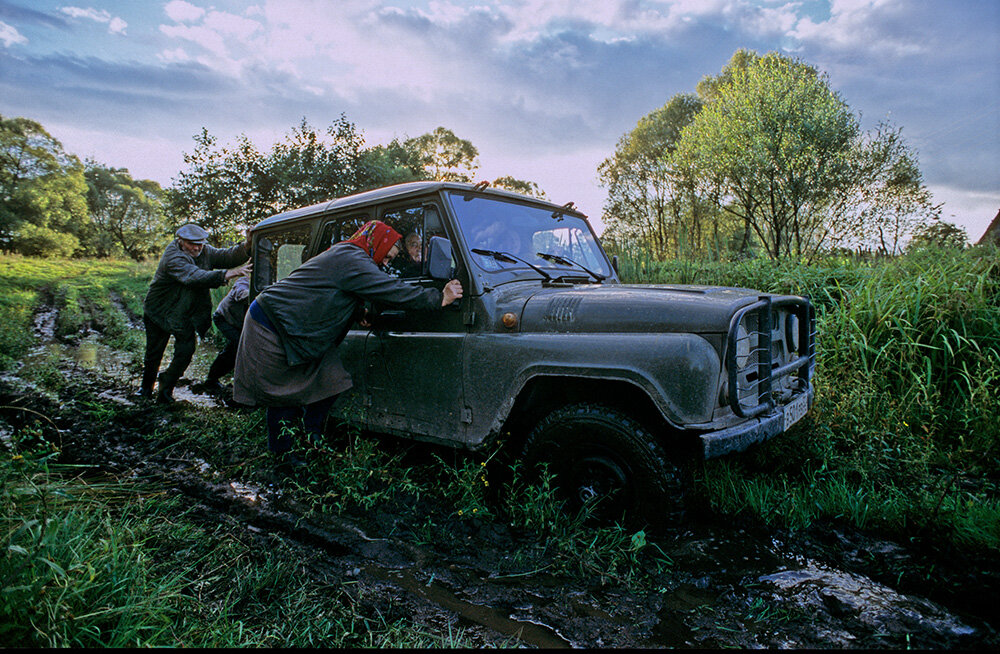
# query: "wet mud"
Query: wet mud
{"points": [[722, 584]]}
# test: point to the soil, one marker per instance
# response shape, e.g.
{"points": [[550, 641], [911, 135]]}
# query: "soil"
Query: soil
{"points": [[728, 584]]}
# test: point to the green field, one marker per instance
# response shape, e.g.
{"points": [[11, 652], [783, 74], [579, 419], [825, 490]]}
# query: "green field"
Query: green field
{"points": [[902, 442]]}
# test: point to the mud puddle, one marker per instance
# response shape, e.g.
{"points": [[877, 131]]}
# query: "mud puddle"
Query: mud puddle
{"points": [[720, 586]]}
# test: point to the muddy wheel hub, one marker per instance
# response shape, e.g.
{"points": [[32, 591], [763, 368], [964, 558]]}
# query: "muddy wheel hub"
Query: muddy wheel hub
{"points": [[599, 476]]}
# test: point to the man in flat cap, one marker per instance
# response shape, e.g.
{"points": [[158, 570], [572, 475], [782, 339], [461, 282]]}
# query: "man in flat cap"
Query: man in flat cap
{"points": [[178, 303]]}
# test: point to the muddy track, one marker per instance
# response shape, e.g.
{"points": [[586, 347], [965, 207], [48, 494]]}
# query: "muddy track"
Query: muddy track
{"points": [[728, 586]]}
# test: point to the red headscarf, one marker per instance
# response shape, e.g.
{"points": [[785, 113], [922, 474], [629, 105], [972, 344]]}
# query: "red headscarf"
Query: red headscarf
{"points": [[376, 238]]}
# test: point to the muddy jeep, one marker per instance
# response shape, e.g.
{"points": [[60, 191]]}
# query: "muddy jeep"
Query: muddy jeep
{"points": [[548, 352]]}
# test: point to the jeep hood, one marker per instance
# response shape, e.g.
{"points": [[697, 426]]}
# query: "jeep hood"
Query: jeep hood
{"points": [[616, 308]]}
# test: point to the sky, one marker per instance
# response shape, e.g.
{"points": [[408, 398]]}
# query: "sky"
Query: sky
{"points": [[543, 88]]}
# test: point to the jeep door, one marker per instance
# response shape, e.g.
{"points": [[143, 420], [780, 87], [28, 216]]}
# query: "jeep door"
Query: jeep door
{"points": [[413, 359]]}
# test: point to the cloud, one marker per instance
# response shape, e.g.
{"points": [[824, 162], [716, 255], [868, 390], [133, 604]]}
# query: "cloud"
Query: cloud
{"points": [[115, 24], [9, 35], [228, 39], [17, 14], [554, 82], [183, 12]]}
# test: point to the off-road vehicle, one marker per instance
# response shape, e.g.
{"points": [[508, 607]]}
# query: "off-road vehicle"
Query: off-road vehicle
{"points": [[548, 352]]}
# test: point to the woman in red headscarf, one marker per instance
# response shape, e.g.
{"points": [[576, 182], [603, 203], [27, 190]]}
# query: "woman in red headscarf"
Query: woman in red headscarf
{"points": [[287, 359]]}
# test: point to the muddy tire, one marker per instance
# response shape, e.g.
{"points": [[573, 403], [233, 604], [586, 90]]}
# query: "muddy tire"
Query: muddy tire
{"points": [[604, 459]]}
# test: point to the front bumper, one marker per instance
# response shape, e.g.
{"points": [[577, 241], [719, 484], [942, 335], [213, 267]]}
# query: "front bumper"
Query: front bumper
{"points": [[755, 430]]}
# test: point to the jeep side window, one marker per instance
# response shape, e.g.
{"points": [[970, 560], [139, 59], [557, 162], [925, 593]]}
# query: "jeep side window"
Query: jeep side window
{"points": [[416, 224], [277, 254], [340, 229]]}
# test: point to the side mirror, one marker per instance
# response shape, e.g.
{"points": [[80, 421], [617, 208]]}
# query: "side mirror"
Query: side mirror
{"points": [[614, 263], [439, 258]]}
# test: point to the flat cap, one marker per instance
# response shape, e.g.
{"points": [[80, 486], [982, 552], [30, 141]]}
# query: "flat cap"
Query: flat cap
{"points": [[193, 233]]}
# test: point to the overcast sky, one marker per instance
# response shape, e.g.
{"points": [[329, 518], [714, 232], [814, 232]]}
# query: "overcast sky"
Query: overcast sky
{"points": [[543, 88]]}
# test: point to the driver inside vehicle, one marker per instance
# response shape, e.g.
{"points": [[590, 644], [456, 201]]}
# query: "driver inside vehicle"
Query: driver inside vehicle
{"points": [[409, 263]]}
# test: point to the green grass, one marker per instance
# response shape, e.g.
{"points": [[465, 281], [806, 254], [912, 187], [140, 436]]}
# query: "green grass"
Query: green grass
{"points": [[85, 292], [902, 441], [120, 564]]}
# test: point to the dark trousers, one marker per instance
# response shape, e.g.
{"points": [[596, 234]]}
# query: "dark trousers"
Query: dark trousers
{"points": [[225, 361], [282, 419], [156, 342]]}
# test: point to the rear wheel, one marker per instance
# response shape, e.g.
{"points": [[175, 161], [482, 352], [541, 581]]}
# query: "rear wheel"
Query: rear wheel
{"points": [[603, 459]]}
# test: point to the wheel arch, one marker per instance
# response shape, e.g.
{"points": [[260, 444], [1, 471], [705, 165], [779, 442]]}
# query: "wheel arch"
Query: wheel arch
{"points": [[542, 394]]}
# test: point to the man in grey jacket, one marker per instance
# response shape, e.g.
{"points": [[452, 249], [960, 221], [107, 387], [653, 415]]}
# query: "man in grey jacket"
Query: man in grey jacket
{"points": [[228, 319], [178, 303]]}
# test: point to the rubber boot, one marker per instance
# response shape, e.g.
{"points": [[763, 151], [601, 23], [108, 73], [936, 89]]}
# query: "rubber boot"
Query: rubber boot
{"points": [[165, 395]]}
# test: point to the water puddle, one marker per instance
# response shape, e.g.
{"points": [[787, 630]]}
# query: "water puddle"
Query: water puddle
{"points": [[250, 492], [185, 394], [529, 632], [91, 353], [45, 324]]}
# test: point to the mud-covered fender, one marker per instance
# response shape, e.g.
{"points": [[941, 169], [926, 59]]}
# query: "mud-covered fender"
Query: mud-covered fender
{"points": [[679, 372]]}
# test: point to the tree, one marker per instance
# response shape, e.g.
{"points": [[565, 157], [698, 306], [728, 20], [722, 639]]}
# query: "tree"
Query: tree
{"points": [[394, 163], [887, 202], [444, 156], [651, 199], [128, 215], [519, 186], [227, 189], [782, 153], [939, 233], [43, 210], [776, 144], [219, 190], [305, 169]]}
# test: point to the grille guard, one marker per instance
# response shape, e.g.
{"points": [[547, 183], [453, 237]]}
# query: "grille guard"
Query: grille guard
{"points": [[803, 364]]}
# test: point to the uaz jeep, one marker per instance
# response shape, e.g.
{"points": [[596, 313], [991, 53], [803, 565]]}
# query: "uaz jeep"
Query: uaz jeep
{"points": [[548, 351]]}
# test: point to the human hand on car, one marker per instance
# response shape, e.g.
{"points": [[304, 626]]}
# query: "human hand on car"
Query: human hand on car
{"points": [[452, 292], [238, 271]]}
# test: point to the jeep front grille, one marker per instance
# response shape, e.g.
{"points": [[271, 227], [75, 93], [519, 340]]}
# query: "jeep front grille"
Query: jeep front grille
{"points": [[771, 353]]}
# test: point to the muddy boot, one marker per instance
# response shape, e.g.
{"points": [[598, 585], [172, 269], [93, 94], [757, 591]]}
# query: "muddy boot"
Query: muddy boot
{"points": [[211, 386], [142, 395], [165, 395], [233, 404], [287, 464]]}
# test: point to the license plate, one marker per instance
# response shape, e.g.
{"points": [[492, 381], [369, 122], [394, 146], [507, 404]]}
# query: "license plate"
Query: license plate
{"points": [[794, 411]]}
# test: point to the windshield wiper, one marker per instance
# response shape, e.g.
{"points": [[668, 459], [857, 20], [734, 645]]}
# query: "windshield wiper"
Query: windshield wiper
{"points": [[566, 261], [507, 257]]}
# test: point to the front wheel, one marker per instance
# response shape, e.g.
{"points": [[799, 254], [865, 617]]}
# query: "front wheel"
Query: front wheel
{"points": [[607, 462]]}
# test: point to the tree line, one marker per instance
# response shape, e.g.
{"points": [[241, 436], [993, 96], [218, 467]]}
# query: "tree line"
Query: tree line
{"points": [[52, 204], [764, 159]]}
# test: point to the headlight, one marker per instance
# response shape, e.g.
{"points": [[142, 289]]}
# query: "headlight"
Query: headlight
{"points": [[792, 332]]}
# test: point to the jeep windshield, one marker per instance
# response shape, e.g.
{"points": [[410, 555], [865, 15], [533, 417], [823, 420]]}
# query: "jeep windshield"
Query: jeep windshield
{"points": [[508, 236]]}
